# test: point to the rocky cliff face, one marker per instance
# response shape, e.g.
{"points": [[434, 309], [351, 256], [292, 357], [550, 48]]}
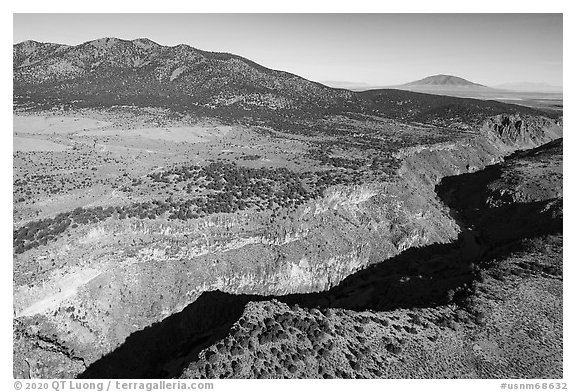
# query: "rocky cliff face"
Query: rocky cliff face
{"points": [[86, 310], [232, 335], [517, 132]]}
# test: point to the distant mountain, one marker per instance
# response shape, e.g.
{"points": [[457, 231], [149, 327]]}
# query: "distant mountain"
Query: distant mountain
{"points": [[442, 81], [453, 86], [428, 84], [114, 71], [530, 87]]}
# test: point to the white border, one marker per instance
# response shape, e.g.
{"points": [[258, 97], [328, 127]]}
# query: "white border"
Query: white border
{"points": [[422, 6]]}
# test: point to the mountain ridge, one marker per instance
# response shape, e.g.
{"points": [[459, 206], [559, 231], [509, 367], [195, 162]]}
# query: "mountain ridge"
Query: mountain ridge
{"points": [[113, 69], [110, 71], [143, 43]]}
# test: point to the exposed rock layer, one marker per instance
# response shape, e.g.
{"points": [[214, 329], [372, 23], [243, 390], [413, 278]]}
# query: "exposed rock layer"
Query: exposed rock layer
{"points": [[312, 249]]}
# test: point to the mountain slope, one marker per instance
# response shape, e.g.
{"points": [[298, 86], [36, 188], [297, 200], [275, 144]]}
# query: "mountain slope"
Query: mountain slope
{"points": [[110, 71], [30, 52], [121, 71]]}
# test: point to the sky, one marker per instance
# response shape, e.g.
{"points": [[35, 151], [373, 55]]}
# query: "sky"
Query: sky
{"points": [[371, 49]]}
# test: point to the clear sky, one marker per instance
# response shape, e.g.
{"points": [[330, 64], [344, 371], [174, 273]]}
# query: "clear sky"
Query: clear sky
{"points": [[376, 49]]}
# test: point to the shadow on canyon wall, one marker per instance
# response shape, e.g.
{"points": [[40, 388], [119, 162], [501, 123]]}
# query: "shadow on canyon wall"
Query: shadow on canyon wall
{"points": [[418, 277]]}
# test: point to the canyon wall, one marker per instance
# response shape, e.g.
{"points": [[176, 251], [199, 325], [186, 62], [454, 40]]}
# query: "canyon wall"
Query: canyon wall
{"points": [[122, 276]]}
